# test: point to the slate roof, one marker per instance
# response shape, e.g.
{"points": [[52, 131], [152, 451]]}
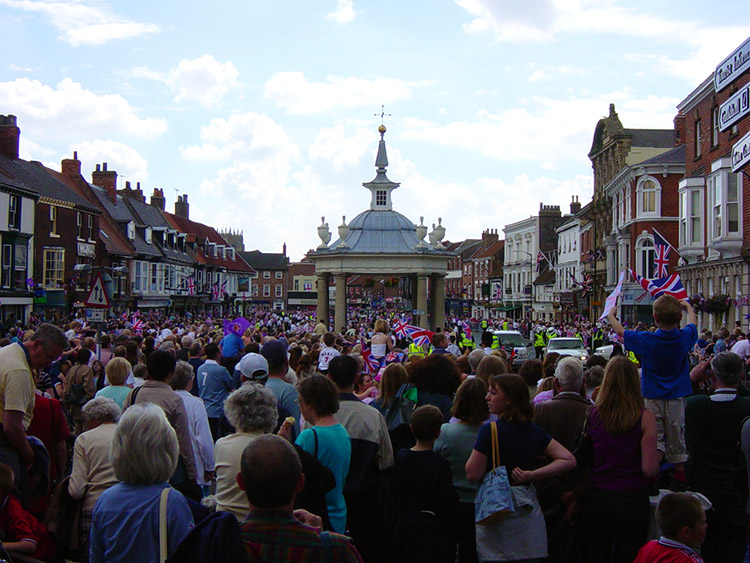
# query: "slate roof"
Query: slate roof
{"points": [[657, 138], [34, 176], [199, 232], [490, 251], [674, 156], [122, 215], [265, 260]]}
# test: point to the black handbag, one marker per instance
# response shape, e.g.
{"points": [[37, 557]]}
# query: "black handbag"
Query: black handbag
{"points": [[583, 448], [401, 407]]}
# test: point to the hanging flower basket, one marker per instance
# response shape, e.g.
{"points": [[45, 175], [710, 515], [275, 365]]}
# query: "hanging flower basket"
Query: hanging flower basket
{"points": [[717, 304], [698, 303]]}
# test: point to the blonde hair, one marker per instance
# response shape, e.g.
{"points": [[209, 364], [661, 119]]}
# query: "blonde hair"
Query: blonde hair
{"points": [[619, 401], [381, 325], [117, 371]]}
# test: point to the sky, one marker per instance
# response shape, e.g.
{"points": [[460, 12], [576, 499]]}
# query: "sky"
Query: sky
{"points": [[264, 113]]}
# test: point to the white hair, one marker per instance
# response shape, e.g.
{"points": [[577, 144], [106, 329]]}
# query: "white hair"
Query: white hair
{"points": [[569, 374], [102, 409], [144, 449]]}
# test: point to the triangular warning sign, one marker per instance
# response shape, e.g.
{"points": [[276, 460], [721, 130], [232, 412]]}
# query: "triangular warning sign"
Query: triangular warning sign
{"points": [[97, 295]]}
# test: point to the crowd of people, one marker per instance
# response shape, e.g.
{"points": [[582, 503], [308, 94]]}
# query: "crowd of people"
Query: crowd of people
{"points": [[272, 438]]}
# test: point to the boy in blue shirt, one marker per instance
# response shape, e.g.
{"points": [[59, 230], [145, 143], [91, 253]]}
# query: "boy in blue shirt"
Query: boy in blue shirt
{"points": [[665, 375]]}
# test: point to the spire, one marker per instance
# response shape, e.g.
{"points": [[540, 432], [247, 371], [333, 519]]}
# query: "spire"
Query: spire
{"points": [[381, 186]]}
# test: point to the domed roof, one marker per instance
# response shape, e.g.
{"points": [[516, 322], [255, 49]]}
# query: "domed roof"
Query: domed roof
{"points": [[380, 232]]}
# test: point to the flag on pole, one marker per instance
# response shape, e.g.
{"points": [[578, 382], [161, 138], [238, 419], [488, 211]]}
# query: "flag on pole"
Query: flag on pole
{"points": [[539, 257], [587, 284], [137, 324], [372, 363], [671, 285], [611, 301], [661, 256], [190, 284]]}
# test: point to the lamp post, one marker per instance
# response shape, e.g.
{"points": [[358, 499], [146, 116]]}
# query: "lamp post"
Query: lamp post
{"points": [[531, 276]]}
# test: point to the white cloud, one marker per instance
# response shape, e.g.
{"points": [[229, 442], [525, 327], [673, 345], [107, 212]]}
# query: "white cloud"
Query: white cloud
{"points": [[204, 80], [343, 13], [69, 110], [545, 130], [293, 92], [20, 68], [128, 163], [82, 23]]}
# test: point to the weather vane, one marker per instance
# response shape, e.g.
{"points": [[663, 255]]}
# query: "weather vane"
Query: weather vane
{"points": [[382, 114]]}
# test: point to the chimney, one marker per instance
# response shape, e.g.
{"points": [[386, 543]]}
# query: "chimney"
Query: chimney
{"points": [[9, 136], [679, 129], [575, 205], [181, 207], [157, 199], [283, 249], [71, 167], [106, 179]]}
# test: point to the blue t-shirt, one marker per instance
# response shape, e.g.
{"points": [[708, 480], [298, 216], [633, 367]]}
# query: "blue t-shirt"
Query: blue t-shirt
{"points": [[335, 452], [665, 367], [231, 345], [286, 396], [214, 384], [519, 444], [125, 523]]}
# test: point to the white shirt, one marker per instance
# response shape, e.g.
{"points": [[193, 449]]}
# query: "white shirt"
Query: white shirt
{"points": [[742, 348], [200, 434]]}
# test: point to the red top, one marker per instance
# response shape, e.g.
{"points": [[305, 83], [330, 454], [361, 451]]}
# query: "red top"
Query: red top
{"points": [[667, 551], [19, 525], [50, 426]]}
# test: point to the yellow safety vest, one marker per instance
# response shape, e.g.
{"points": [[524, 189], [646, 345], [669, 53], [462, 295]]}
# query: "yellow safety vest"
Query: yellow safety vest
{"points": [[467, 343], [495, 343], [539, 340], [415, 350]]}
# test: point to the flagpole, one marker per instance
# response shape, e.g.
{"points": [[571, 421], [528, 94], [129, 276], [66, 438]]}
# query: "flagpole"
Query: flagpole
{"points": [[668, 243]]}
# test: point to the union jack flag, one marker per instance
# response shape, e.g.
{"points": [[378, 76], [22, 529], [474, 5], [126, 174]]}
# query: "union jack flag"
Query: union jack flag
{"points": [[420, 336], [223, 288], [587, 284], [190, 285], [216, 292], [466, 328], [137, 324], [371, 362], [399, 328], [394, 356], [671, 285], [661, 256]]}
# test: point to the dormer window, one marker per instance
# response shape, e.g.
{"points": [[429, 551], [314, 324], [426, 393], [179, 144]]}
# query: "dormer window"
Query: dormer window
{"points": [[148, 235], [131, 230], [380, 197]]}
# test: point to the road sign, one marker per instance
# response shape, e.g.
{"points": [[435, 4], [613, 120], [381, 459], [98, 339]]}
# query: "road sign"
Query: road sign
{"points": [[95, 315], [97, 298]]}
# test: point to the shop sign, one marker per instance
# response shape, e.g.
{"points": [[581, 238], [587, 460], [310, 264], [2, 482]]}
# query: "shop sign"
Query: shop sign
{"points": [[732, 67]]}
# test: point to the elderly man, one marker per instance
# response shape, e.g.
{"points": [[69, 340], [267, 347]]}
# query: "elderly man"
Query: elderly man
{"points": [[713, 427], [271, 476], [17, 397]]}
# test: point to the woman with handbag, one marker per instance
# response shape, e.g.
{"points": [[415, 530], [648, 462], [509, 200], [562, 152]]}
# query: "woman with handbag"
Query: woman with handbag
{"points": [[505, 453], [79, 388], [621, 438]]}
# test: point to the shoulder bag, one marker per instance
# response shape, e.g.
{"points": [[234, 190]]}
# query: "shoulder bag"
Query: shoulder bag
{"points": [[163, 525], [494, 499]]}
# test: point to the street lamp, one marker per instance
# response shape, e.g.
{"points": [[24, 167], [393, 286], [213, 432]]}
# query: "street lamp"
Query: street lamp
{"points": [[531, 277]]}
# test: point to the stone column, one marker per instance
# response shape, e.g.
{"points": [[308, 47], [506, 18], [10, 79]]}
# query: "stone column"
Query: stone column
{"points": [[421, 301], [437, 301], [340, 312], [322, 311]]}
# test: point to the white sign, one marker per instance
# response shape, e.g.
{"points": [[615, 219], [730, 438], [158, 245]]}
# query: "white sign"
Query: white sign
{"points": [[95, 315], [734, 109], [741, 153], [97, 296], [732, 67], [611, 301]]}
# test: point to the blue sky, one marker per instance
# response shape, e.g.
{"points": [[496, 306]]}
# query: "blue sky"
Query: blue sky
{"points": [[263, 112]]}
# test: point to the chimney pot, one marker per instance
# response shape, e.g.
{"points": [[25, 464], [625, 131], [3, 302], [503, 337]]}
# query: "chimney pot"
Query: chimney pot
{"points": [[104, 166], [75, 155], [10, 135], [98, 168]]}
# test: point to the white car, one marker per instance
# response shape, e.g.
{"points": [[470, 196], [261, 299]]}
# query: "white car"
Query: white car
{"points": [[604, 351], [512, 340], [568, 347]]}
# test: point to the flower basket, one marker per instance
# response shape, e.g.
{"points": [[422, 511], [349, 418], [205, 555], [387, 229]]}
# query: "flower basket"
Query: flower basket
{"points": [[717, 304], [697, 302]]}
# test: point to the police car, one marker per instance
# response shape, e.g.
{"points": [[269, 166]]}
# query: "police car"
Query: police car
{"points": [[513, 343], [568, 347]]}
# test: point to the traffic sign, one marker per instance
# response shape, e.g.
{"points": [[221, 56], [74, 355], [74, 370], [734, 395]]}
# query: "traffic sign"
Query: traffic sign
{"points": [[95, 315], [97, 298]]}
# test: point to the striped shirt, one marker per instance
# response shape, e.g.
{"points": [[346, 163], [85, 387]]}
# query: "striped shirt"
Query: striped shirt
{"points": [[278, 536]]}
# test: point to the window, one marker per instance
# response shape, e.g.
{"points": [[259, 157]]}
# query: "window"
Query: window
{"points": [[723, 200], [296, 285], [380, 197], [137, 277], [715, 127], [266, 290], [79, 223], [715, 195], [266, 275], [154, 277], [696, 209], [645, 256], [14, 212], [54, 266], [683, 219], [648, 197], [697, 147], [279, 290], [7, 265], [131, 230], [91, 226], [53, 220], [279, 275]]}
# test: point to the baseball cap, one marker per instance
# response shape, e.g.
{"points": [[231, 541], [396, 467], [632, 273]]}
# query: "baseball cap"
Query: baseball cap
{"points": [[254, 367]]}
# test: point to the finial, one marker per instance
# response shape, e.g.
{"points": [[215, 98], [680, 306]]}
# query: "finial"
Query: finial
{"points": [[382, 115]]}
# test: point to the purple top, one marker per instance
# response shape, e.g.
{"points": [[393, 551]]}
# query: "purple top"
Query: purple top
{"points": [[617, 459]]}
